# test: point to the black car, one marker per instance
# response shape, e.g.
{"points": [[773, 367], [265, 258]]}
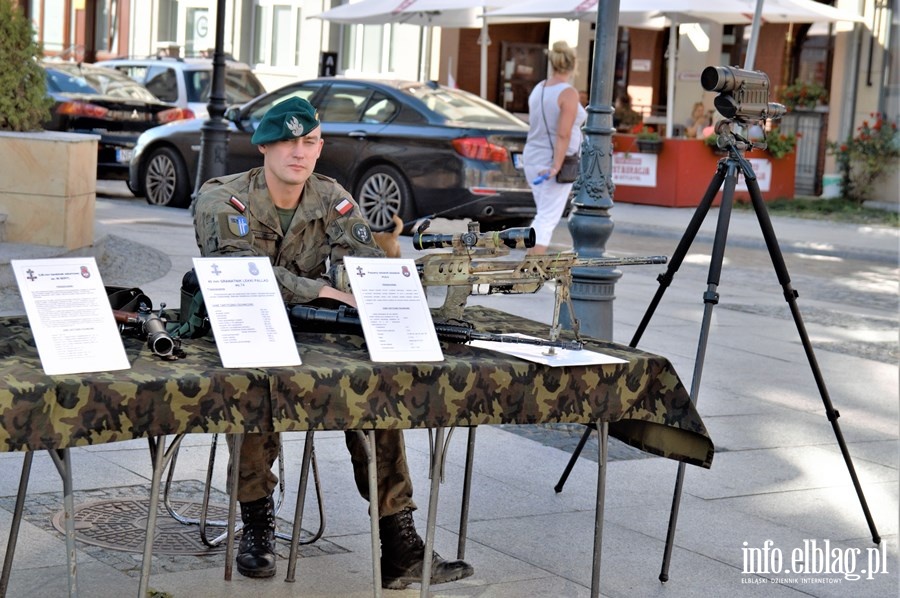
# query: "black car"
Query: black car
{"points": [[400, 147], [99, 101]]}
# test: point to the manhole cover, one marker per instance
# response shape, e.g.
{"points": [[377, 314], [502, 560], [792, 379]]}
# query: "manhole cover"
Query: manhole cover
{"points": [[121, 525]]}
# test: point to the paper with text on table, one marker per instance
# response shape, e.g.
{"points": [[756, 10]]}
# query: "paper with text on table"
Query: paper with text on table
{"points": [[552, 356], [246, 311], [70, 316], [393, 309]]}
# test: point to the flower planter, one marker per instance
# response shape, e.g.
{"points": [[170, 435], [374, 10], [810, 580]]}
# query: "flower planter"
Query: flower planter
{"points": [[649, 146], [680, 176]]}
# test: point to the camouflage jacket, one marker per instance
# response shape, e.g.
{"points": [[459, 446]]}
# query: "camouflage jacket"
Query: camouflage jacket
{"points": [[234, 216]]}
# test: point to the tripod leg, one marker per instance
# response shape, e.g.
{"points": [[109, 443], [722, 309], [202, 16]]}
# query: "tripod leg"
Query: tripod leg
{"points": [[565, 474], [710, 298], [665, 279], [790, 295]]}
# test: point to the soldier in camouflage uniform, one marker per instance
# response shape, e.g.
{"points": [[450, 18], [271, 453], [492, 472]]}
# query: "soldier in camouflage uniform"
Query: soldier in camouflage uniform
{"points": [[302, 220]]}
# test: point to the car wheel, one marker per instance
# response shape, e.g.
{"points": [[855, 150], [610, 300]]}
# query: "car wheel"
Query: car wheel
{"points": [[382, 193], [166, 179]]}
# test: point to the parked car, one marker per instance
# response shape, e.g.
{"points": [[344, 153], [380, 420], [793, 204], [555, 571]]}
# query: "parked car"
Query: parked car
{"points": [[400, 147], [187, 82], [99, 101]]}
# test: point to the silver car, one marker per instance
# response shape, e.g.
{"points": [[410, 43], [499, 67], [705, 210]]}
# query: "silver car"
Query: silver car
{"points": [[187, 82]]}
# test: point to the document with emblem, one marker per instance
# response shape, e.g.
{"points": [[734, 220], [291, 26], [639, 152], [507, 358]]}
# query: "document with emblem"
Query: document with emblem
{"points": [[246, 311], [393, 309], [70, 316]]}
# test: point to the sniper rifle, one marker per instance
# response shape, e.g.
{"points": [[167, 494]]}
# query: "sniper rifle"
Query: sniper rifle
{"points": [[465, 272]]}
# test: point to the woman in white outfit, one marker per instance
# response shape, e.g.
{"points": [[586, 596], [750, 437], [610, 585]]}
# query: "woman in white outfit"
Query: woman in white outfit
{"points": [[555, 117]]}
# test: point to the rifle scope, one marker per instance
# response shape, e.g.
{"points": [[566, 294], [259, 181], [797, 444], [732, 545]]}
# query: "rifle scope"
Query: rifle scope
{"points": [[511, 237]]}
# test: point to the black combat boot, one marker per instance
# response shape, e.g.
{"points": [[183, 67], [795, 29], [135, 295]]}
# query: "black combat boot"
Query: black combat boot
{"points": [[403, 553], [256, 553]]}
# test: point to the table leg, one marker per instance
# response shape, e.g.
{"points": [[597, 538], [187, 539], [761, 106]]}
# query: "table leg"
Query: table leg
{"points": [[64, 466], [301, 503], [368, 439], [603, 433], [16, 521], [436, 467], [158, 455], [232, 503], [467, 491]]}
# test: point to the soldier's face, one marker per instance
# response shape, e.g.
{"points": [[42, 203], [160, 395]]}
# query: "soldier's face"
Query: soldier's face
{"points": [[292, 161]]}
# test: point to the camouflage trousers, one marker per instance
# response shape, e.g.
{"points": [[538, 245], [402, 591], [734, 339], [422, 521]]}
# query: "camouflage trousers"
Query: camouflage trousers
{"points": [[259, 452]]}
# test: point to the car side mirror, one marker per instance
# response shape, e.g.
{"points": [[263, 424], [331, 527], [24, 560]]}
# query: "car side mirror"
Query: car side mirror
{"points": [[233, 113]]}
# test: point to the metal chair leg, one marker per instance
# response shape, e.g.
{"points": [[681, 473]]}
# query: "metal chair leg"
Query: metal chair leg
{"points": [[203, 522]]}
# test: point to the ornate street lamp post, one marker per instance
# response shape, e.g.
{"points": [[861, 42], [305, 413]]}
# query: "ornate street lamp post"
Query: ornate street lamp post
{"points": [[590, 224], [214, 133]]}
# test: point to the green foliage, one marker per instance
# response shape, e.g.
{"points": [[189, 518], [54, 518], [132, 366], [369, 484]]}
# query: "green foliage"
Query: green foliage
{"points": [[866, 157], [24, 104], [834, 210], [803, 95], [648, 134], [780, 144]]}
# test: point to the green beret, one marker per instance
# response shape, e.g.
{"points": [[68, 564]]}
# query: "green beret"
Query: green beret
{"points": [[294, 117]]}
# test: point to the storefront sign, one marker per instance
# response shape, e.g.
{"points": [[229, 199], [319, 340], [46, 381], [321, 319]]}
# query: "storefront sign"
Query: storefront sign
{"points": [[762, 168], [634, 169]]}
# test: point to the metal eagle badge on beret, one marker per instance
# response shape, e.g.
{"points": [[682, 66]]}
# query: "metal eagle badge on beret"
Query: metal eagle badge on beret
{"points": [[360, 231], [237, 225], [294, 126]]}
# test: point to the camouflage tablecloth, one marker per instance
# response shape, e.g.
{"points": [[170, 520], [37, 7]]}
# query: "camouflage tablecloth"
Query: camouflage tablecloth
{"points": [[337, 388]]}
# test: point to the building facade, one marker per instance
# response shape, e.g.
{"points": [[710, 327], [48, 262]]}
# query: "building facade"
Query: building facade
{"points": [[283, 41]]}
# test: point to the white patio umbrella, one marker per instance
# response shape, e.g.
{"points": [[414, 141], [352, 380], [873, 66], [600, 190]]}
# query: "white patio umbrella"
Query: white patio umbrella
{"points": [[426, 13], [654, 14]]}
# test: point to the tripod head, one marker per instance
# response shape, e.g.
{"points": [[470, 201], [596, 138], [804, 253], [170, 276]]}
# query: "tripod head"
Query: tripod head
{"points": [[743, 100]]}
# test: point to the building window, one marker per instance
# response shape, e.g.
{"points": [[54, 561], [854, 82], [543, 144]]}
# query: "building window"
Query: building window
{"points": [[277, 28], [381, 49]]}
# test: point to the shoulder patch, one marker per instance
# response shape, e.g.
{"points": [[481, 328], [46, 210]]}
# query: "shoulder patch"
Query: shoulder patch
{"points": [[237, 225], [360, 231]]}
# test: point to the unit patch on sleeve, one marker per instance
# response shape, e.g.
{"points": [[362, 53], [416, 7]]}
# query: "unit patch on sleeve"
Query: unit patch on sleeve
{"points": [[237, 224], [345, 206], [360, 231]]}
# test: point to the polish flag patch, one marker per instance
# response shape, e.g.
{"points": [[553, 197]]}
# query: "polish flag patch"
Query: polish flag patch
{"points": [[239, 206], [344, 207]]}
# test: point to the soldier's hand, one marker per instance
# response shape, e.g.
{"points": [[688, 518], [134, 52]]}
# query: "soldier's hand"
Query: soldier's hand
{"points": [[332, 293]]}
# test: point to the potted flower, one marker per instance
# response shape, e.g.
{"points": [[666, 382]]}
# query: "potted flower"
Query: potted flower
{"points": [[648, 141], [712, 142], [49, 184], [803, 95], [779, 144], [867, 156]]}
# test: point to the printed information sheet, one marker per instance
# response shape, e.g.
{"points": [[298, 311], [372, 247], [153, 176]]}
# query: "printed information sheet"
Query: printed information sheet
{"points": [[70, 315], [554, 357], [393, 310], [246, 311]]}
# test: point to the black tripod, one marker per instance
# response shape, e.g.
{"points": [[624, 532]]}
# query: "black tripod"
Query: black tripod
{"points": [[727, 171]]}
